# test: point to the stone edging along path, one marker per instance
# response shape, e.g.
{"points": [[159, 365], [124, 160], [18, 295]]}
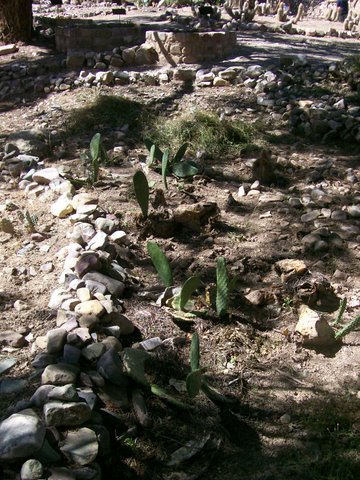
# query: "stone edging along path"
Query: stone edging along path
{"points": [[82, 359]]}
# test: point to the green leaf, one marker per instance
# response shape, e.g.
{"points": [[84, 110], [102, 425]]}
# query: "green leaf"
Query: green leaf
{"points": [[150, 159], [164, 167], [348, 328], [195, 352], [156, 390], [193, 383], [186, 168], [222, 288], [141, 188], [343, 303], [158, 153], [160, 262], [95, 145], [187, 290], [180, 153]]}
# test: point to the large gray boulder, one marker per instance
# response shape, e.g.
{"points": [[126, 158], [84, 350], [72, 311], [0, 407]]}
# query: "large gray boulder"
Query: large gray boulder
{"points": [[30, 142], [21, 435]]}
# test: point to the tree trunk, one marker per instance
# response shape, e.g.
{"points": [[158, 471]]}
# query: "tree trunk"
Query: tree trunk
{"points": [[15, 20]]}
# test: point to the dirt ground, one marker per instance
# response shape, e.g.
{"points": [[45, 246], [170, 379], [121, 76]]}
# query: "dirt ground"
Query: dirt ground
{"points": [[297, 414]]}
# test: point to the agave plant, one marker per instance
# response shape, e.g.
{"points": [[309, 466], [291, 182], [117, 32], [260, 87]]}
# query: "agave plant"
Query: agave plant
{"points": [[177, 165]]}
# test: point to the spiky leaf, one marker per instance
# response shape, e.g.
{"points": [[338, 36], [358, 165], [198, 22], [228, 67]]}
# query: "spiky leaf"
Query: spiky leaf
{"points": [[348, 328], [95, 145], [186, 168], [187, 290], [158, 153], [193, 383], [141, 188], [222, 288], [160, 262], [180, 153], [195, 352], [164, 168], [343, 303]]}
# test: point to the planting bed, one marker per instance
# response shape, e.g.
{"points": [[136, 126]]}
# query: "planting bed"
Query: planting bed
{"points": [[262, 194]]}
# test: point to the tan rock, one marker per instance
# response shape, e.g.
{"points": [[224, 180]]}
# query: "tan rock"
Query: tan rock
{"points": [[313, 328], [290, 268], [220, 82], [63, 206], [91, 307]]}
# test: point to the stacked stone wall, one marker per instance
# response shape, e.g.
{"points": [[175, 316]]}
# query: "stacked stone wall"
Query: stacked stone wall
{"points": [[191, 47], [97, 38]]}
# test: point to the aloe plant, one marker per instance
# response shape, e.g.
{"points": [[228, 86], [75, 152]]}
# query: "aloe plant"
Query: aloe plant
{"points": [[160, 262], [142, 192], [222, 288], [179, 167], [97, 156]]}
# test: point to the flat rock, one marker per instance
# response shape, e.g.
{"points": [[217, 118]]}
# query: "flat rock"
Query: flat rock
{"points": [[313, 328], [7, 49], [12, 385], [113, 286], [45, 175], [22, 434], [13, 339], [80, 447], [6, 364], [70, 413], [59, 374]]}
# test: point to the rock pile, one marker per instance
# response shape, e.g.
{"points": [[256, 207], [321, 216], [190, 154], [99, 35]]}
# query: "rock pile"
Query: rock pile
{"points": [[85, 371]]}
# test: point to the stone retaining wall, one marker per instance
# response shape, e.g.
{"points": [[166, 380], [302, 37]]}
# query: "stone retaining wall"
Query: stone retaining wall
{"points": [[97, 38], [191, 47]]}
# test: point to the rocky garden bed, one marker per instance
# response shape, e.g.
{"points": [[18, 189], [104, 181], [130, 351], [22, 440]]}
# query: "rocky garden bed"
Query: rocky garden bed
{"points": [[179, 294]]}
